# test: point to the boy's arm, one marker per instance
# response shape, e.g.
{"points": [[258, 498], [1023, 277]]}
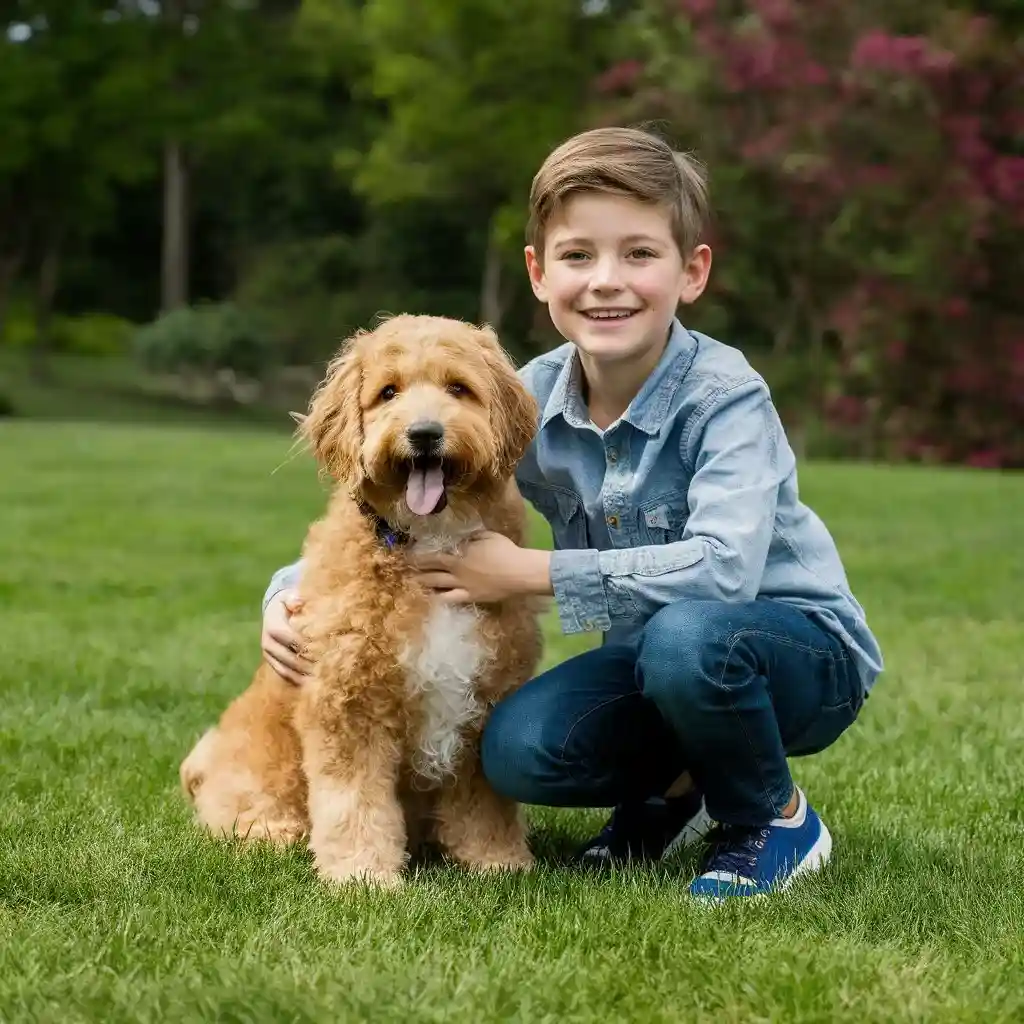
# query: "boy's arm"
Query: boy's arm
{"points": [[285, 578], [732, 500]]}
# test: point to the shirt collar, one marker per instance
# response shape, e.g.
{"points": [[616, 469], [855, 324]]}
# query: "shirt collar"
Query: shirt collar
{"points": [[649, 408]]}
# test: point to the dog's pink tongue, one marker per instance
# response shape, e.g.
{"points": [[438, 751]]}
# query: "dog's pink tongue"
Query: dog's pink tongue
{"points": [[424, 489]]}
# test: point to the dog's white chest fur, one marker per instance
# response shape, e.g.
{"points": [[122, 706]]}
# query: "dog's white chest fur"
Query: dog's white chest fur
{"points": [[442, 674], [442, 668]]}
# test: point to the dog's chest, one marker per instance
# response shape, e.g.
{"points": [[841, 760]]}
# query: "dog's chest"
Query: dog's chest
{"points": [[442, 667]]}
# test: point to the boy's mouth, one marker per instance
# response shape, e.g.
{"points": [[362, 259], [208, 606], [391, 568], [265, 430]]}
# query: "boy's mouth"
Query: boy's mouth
{"points": [[609, 313]]}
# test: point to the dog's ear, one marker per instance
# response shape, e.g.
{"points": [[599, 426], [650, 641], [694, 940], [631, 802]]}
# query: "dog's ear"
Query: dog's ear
{"points": [[334, 424], [514, 411]]}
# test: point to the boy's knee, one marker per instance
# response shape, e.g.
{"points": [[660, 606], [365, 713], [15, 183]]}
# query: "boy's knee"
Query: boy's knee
{"points": [[519, 752], [684, 651]]}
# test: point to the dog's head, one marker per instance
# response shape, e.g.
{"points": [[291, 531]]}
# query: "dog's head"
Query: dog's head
{"points": [[420, 412]]}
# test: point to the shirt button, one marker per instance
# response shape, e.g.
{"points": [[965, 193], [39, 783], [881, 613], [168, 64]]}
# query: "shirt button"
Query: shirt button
{"points": [[613, 455], [613, 522]]}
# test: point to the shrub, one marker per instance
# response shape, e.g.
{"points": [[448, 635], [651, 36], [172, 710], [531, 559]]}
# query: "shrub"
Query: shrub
{"points": [[92, 334], [87, 334], [868, 174], [217, 350]]}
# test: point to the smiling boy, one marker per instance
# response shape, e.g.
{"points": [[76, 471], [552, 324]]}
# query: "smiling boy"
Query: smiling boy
{"points": [[731, 639]]}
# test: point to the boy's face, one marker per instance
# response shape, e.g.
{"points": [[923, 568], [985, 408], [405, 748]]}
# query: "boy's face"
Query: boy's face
{"points": [[612, 276]]}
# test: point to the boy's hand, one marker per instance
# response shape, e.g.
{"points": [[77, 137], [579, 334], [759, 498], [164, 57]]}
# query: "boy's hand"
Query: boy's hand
{"points": [[280, 642], [491, 568]]}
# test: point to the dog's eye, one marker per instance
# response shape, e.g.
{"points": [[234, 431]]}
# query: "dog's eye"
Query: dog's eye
{"points": [[458, 389], [386, 394]]}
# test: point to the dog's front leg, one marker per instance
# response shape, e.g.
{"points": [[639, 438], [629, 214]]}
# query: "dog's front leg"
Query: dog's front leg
{"points": [[478, 827], [351, 759]]}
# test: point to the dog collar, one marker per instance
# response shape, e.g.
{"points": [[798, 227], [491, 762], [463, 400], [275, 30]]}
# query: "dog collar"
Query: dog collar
{"points": [[386, 534]]}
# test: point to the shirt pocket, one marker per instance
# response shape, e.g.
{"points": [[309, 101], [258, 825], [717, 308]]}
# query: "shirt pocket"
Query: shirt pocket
{"points": [[563, 510], [662, 520]]}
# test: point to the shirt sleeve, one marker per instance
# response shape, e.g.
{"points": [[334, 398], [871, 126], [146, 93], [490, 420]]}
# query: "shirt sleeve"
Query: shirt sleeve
{"points": [[732, 500], [285, 578]]}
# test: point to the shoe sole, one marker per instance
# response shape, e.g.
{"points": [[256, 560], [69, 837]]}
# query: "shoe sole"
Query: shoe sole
{"points": [[817, 857]]}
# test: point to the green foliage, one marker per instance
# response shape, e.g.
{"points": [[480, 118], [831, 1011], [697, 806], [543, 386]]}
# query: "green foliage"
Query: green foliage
{"points": [[92, 334], [352, 157], [85, 334], [476, 92], [208, 341], [6, 406]]}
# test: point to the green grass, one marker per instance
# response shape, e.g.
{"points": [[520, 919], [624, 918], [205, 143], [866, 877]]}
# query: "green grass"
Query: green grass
{"points": [[114, 389], [132, 561]]}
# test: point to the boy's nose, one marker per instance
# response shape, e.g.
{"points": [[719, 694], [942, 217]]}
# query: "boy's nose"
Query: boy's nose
{"points": [[606, 276]]}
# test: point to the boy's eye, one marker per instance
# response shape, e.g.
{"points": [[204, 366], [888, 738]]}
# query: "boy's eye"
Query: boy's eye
{"points": [[575, 256], [643, 254]]}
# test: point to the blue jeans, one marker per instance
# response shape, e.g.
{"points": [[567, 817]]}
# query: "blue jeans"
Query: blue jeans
{"points": [[723, 691]]}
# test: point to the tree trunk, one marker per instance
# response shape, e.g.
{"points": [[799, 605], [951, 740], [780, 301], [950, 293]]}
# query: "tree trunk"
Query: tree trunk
{"points": [[46, 292], [10, 267], [175, 258], [491, 304]]}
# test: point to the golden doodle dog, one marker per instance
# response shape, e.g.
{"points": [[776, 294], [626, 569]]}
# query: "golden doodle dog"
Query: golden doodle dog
{"points": [[420, 422]]}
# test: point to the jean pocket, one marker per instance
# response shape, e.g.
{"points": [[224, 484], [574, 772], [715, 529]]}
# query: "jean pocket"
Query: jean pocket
{"points": [[830, 724]]}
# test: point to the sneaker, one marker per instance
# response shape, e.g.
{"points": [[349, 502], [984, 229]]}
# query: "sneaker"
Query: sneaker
{"points": [[649, 831], [748, 861]]}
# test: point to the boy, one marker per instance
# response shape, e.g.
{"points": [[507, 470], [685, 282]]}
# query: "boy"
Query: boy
{"points": [[731, 638]]}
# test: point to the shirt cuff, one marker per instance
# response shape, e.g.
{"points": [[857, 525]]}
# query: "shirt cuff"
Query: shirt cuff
{"points": [[578, 587], [286, 577]]}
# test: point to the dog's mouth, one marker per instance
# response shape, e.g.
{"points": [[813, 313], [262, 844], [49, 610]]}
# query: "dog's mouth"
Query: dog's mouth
{"points": [[425, 485]]}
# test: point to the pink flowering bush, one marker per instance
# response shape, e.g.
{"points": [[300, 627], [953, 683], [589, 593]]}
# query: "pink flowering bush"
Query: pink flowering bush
{"points": [[868, 177]]}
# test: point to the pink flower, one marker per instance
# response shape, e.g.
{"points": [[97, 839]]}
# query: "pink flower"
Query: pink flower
{"points": [[987, 458], [878, 51], [619, 76], [697, 8], [775, 13], [1007, 177]]}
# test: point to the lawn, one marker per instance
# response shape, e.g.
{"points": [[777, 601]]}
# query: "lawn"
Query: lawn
{"points": [[132, 561]]}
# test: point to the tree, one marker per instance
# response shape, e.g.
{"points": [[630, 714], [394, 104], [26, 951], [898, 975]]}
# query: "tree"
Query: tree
{"points": [[73, 88], [216, 95], [475, 93]]}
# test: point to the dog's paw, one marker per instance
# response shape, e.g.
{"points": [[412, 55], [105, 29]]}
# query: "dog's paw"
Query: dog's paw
{"points": [[284, 833], [501, 860], [351, 870], [365, 876], [279, 832]]}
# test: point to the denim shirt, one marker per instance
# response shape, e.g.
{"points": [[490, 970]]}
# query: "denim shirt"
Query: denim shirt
{"points": [[690, 494]]}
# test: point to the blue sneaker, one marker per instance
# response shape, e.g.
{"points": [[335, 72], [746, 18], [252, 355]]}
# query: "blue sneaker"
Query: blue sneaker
{"points": [[748, 861], [648, 831]]}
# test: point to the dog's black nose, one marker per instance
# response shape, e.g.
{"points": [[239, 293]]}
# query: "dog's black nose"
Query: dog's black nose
{"points": [[425, 435]]}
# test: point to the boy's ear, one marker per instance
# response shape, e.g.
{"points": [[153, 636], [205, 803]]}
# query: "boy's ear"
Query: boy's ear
{"points": [[695, 275], [536, 272]]}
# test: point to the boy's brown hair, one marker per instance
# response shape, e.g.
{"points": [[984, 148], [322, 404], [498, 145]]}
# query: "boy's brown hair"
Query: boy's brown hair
{"points": [[627, 162]]}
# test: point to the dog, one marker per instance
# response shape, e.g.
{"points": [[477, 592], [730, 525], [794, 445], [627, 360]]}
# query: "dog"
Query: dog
{"points": [[420, 422]]}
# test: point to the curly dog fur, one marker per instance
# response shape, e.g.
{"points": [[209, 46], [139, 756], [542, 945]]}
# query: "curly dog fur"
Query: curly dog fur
{"points": [[379, 750]]}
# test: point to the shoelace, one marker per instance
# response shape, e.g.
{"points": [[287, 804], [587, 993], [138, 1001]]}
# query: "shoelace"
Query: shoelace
{"points": [[737, 848]]}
